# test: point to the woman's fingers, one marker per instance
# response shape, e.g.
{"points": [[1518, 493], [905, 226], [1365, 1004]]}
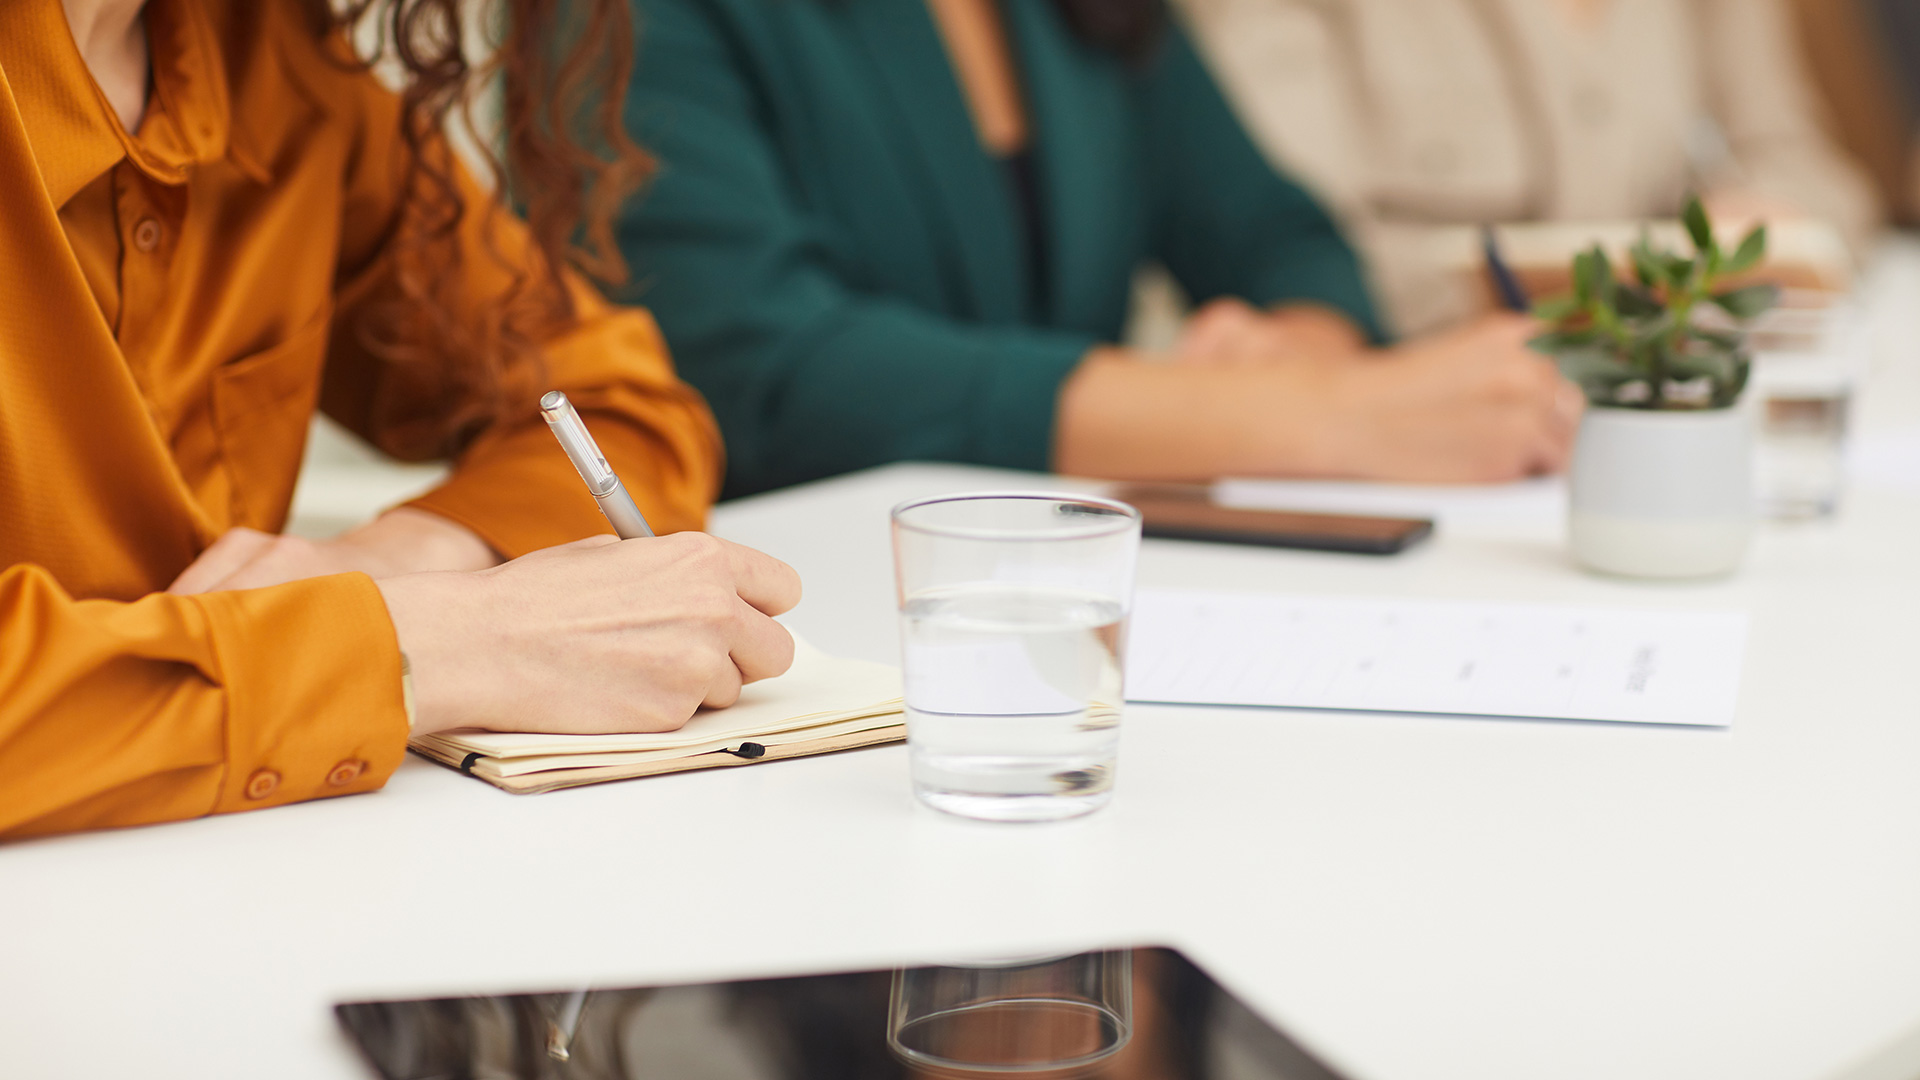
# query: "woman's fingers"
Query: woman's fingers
{"points": [[763, 581], [1215, 333], [724, 688], [762, 648], [222, 559]]}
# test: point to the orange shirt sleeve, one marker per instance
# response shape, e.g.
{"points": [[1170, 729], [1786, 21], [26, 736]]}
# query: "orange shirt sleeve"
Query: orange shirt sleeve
{"points": [[517, 490], [124, 713], [511, 484], [121, 706]]}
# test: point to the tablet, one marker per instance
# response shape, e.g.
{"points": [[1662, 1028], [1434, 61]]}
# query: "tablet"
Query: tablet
{"points": [[1181, 1025]]}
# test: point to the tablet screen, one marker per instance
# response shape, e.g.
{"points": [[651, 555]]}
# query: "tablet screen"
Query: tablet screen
{"points": [[1133, 1014]]}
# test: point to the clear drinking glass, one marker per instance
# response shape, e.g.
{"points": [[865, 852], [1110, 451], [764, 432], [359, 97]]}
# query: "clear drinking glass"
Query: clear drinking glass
{"points": [[1013, 615], [1807, 361], [1801, 451], [1044, 1015]]}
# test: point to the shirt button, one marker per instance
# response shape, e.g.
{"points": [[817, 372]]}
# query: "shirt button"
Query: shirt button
{"points": [[262, 783], [346, 773], [146, 235]]}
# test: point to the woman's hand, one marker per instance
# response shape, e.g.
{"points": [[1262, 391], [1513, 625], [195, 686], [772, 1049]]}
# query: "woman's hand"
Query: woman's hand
{"points": [[601, 635], [1471, 405], [1230, 332], [400, 541]]}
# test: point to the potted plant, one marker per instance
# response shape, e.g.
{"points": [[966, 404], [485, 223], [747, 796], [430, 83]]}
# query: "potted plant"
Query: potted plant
{"points": [[1661, 481]]}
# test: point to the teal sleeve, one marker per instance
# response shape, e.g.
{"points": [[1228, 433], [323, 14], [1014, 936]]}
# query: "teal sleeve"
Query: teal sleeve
{"points": [[1227, 223], [808, 375]]}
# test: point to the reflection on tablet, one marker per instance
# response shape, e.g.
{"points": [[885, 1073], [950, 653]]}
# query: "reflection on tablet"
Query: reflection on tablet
{"points": [[1135, 1014]]}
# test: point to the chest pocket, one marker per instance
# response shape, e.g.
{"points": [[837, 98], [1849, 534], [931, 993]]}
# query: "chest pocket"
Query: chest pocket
{"points": [[262, 405]]}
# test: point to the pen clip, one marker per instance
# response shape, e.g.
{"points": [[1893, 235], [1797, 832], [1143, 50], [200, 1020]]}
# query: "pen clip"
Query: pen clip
{"points": [[578, 443]]}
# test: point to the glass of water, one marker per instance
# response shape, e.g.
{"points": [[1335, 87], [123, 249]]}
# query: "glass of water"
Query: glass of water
{"points": [[1056, 1015], [1013, 616], [1807, 359], [1802, 448]]}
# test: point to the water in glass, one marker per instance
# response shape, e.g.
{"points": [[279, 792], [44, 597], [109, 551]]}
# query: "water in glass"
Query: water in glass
{"points": [[1801, 452], [1013, 699]]}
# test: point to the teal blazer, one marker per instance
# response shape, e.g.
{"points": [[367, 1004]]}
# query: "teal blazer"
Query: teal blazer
{"points": [[842, 269]]}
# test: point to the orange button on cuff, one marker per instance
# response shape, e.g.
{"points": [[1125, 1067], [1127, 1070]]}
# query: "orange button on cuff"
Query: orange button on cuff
{"points": [[262, 784], [346, 773]]}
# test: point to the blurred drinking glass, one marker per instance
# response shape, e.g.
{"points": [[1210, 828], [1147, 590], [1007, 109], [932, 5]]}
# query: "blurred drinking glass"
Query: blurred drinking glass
{"points": [[1013, 615], [1806, 363], [1049, 1015]]}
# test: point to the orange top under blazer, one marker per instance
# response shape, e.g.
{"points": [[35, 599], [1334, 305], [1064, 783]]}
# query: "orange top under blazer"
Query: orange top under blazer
{"points": [[168, 311]]}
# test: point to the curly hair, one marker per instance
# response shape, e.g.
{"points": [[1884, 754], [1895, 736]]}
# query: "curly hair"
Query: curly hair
{"points": [[568, 163]]}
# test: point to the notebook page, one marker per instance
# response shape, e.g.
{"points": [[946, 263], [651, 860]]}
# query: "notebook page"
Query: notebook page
{"points": [[1520, 660]]}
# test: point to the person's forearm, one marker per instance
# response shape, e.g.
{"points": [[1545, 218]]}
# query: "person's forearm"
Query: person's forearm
{"points": [[409, 541], [1475, 405], [1127, 419]]}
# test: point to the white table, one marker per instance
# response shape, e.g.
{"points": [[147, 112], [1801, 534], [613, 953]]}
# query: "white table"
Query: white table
{"points": [[1414, 898]]}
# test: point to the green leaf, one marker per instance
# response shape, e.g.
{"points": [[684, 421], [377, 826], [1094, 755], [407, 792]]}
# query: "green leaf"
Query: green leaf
{"points": [[1597, 371], [1556, 309], [1561, 342], [1719, 340], [1698, 227], [1647, 265], [1730, 391], [1648, 330], [1749, 302], [1604, 284], [1583, 279], [1748, 255], [1635, 302]]}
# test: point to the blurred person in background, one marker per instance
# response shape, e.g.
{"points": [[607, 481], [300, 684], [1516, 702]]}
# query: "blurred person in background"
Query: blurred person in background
{"points": [[1410, 114], [216, 219], [906, 229], [1864, 56]]}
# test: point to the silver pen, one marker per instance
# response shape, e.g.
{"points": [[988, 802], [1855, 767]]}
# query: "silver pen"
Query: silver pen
{"points": [[602, 483], [560, 1029]]}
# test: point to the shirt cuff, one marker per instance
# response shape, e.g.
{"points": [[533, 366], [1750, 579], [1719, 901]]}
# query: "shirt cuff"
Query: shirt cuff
{"points": [[1017, 412], [311, 671]]}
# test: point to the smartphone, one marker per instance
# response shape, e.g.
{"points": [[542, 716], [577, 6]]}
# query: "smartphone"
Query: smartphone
{"points": [[1187, 512]]}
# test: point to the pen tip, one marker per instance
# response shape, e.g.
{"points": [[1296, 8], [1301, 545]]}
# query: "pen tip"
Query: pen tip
{"points": [[552, 399]]}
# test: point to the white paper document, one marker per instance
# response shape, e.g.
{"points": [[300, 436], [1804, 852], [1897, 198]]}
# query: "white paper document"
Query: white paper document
{"points": [[1539, 504], [1520, 660]]}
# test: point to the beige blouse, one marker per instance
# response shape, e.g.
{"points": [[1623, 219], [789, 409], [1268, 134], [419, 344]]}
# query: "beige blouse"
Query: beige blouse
{"points": [[1407, 114]]}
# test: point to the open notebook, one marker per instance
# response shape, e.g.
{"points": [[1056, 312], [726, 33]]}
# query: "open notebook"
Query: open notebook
{"points": [[823, 703]]}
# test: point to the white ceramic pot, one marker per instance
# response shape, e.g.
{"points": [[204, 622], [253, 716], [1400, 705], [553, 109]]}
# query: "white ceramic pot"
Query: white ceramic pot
{"points": [[1662, 494]]}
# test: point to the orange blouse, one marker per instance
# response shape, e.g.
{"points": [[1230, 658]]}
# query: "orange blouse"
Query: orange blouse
{"points": [[168, 311]]}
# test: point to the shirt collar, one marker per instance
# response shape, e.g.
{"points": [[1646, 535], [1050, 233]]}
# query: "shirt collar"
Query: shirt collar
{"points": [[72, 128]]}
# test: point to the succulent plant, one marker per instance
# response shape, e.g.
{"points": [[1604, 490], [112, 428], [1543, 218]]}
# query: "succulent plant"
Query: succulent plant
{"points": [[1668, 339]]}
